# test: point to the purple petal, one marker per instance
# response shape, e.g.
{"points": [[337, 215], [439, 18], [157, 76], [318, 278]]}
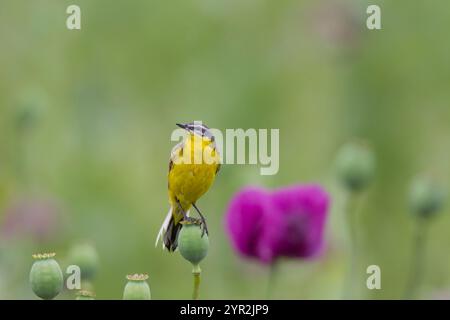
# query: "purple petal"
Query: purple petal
{"points": [[244, 219], [298, 230]]}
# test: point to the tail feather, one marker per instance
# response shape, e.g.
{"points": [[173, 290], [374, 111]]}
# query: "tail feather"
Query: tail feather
{"points": [[169, 232], [164, 227], [170, 238]]}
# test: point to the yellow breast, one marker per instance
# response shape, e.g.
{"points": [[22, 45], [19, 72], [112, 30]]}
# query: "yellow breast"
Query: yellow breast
{"points": [[188, 180]]}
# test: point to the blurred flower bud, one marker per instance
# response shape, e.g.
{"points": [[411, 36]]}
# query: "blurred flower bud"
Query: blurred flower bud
{"points": [[336, 23], [26, 116], [355, 165], [192, 244], [84, 256], [46, 277], [85, 295], [426, 198], [137, 288], [29, 107]]}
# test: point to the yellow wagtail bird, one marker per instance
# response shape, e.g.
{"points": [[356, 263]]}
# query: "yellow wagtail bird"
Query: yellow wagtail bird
{"points": [[193, 166]]}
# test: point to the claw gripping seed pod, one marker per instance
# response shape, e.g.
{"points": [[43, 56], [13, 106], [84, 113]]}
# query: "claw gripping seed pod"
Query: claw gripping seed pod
{"points": [[137, 288], [46, 277]]}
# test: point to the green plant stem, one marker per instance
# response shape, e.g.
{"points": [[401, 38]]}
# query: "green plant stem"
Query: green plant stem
{"points": [[271, 281], [417, 258], [196, 271], [351, 214]]}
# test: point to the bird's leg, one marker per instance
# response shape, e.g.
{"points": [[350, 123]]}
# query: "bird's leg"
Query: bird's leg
{"points": [[185, 216], [204, 226]]}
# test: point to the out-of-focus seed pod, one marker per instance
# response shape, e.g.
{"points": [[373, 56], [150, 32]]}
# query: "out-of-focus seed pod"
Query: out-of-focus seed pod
{"points": [[192, 244], [29, 107], [85, 295], [355, 166], [46, 277], [426, 197], [84, 256], [137, 288]]}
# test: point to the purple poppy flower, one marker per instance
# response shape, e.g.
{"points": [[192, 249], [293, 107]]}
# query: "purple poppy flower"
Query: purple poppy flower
{"points": [[287, 222]]}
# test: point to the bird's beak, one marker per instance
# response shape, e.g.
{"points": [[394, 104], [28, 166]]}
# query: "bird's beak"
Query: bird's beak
{"points": [[182, 126]]}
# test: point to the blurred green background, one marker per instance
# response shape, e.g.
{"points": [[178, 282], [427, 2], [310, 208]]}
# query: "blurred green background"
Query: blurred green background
{"points": [[86, 118]]}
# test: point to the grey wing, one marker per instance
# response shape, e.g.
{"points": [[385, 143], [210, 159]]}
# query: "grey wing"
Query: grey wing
{"points": [[175, 153], [219, 164]]}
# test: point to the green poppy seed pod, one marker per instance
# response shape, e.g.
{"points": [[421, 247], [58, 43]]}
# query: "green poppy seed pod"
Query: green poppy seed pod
{"points": [[192, 245], [85, 295], [137, 288], [355, 166], [84, 256], [426, 198], [46, 277]]}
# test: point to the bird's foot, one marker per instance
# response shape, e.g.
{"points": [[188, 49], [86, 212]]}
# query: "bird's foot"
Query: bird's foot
{"points": [[200, 222], [190, 220], [203, 221], [204, 227]]}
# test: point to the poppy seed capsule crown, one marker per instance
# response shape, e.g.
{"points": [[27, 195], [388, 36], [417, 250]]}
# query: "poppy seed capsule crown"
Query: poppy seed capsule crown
{"points": [[137, 277], [43, 256], [85, 295]]}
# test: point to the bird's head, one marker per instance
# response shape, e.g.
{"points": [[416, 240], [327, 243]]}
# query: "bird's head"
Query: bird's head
{"points": [[199, 129]]}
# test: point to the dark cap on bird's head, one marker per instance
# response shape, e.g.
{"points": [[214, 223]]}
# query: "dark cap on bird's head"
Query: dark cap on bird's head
{"points": [[197, 127]]}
